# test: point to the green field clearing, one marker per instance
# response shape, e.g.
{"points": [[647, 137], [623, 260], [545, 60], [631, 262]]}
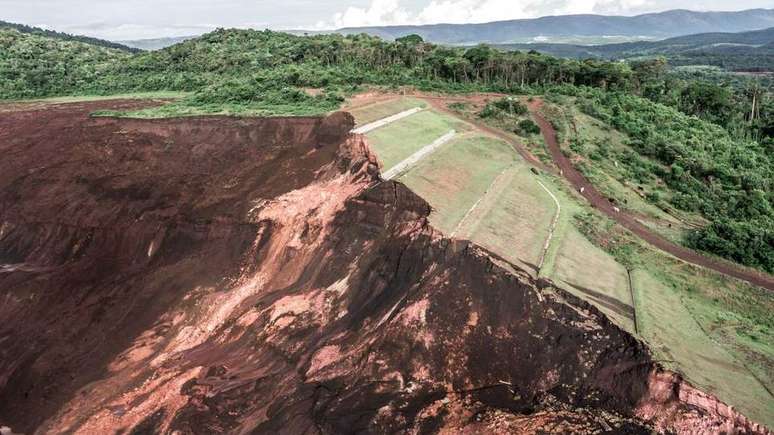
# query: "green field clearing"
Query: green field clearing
{"points": [[595, 276], [395, 142], [682, 344], [377, 111], [514, 220], [83, 98], [453, 178]]}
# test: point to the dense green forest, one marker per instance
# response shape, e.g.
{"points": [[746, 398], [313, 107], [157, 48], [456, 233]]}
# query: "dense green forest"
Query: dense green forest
{"points": [[728, 180], [316, 61], [23, 28], [34, 66], [715, 138]]}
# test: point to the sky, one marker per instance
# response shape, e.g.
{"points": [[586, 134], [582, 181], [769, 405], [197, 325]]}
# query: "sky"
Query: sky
{"points": [[138, 19]]}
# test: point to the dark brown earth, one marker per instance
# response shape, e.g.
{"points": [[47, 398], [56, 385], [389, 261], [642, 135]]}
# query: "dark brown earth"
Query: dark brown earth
{"points": [[629, 221], [226, 275]]}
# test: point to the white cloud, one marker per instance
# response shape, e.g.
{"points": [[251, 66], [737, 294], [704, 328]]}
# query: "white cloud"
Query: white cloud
{"points": [[380, 13], [470, 11], [619, 6], [393, 12]]}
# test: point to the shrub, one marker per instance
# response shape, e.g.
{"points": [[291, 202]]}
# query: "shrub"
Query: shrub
{"points": [[527, 127]]}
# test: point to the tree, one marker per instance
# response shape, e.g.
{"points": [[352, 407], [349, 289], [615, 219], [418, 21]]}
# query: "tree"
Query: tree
{"points": [[707, 101], [410, 40]]}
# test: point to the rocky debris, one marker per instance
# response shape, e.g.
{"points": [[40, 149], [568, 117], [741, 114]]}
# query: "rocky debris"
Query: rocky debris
{"points": [[216, 275]]}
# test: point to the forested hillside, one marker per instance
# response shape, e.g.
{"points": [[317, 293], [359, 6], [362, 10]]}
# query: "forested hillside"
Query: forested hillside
{"points": [[730, 181], [67, 37], [716, 142], [318, 61], [35, 66]]}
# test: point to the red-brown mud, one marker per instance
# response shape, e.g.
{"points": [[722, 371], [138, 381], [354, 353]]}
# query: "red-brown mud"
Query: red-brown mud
{"points": [[225, 275]]}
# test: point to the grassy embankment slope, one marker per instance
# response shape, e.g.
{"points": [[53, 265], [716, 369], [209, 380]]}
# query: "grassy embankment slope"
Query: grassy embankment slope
{"points": [[694, 319]]}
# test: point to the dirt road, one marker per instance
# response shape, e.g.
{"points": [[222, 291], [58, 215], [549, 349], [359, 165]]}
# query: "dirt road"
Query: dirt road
{"points": [[591, 194], [628, 221]]}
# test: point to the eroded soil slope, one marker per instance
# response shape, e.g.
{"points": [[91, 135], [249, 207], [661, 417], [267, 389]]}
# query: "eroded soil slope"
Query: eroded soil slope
{"points": [[253, 275]]}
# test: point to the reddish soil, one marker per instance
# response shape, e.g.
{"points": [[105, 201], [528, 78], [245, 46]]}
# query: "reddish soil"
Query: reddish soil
{"points": [[629, 221], [367, 99], [227, 275]]}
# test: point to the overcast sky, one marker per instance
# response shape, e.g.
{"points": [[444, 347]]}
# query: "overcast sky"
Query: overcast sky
{"points": [[134, 19]]}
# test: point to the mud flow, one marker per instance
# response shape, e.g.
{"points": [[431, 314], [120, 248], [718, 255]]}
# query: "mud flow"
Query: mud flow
{"points": [[226, 275]]}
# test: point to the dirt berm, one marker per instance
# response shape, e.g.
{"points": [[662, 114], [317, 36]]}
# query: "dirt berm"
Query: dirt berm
{"points": [[224, 275]]}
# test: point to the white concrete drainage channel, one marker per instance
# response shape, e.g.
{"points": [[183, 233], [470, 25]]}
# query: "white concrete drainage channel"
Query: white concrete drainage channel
{"points": [[551, 229], [363, 129], [417, 156]]}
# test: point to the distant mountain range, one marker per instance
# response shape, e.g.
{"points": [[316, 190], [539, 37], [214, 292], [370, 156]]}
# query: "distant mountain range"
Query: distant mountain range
{"points": [[748, 42], [567, 35], [752, 50], [156, 43], [566, 27]]}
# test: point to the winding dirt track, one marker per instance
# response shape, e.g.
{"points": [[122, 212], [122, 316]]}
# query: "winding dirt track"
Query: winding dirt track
{"points": [[591, 194], [628, 221]]}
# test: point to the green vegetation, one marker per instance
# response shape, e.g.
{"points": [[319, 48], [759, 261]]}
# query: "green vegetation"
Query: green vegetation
{"points": [[513, 219], [230, 60], [729, 181], [511, 114], [66, 36], [597, 150], [376, 111], [453, 178], [503, 107], [242, 97], [32, 66], [717, 331], [170, 95], [527, 127], [596, 276], [397, 141]]}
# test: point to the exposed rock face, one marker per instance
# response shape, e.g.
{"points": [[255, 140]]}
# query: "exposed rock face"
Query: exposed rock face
{"points": [[229, 275]]}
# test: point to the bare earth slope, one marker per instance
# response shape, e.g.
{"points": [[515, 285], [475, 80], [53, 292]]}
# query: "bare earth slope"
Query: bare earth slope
{"points": [[253, 275]]}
